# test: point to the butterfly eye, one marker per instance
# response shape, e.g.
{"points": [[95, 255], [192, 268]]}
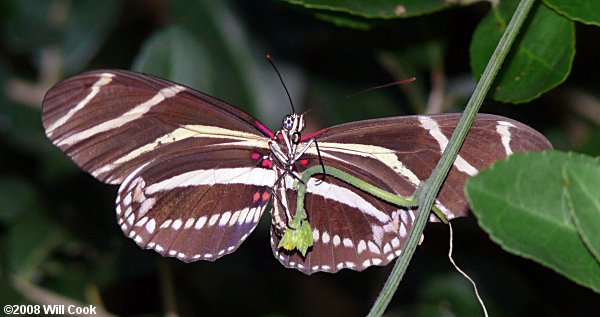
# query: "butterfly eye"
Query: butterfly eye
{"points": [[301, 123], [288, 122], [296, 137]]}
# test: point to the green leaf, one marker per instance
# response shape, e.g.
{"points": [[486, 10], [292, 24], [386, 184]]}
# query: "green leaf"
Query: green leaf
{"points": [[582, 184], [31, 24], [175, 54], [519, 202], [344, 20], [540, 60], [16, 196], [382, 9], [79, 26], [32, 235], [88, 25], [584, 11]]}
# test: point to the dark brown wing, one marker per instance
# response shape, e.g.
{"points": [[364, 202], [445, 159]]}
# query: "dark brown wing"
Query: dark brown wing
{"points": [[354, 230], [110, 122]]}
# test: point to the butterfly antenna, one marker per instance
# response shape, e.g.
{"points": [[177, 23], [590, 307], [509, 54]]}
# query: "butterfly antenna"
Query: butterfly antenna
{"points": [[270, 59], [396, 83]]}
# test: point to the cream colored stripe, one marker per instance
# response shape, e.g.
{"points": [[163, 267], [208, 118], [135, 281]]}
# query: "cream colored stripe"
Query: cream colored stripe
{"points": [[127, 117], [342, 195], [434, 130], [105, 79], [190, 131], [240, 175], [503, 129], [384, 155]]}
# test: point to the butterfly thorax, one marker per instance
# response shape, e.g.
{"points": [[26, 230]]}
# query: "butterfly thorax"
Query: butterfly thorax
{"points": [[287, 148]]}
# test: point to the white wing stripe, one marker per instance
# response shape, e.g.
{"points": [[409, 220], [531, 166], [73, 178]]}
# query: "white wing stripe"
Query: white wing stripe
{"points": [[345, 196], [432, 126], [503, 129], [127, 117], [105, 79], [194, 131], [384, 155], [241, 175]]}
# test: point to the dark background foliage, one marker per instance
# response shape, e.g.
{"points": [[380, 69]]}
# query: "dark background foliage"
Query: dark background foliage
{"points": [[58, 232]]}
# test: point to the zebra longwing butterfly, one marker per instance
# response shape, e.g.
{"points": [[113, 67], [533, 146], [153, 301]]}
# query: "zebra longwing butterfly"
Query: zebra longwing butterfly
{"points": [[196, 173]]}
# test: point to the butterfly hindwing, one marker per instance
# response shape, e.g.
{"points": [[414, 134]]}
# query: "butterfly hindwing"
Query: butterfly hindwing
{"points": [[191, 208], [350, 228]]}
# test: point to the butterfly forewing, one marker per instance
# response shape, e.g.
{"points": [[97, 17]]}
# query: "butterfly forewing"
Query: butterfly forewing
{"points": [[112, 122], [407, 150]]}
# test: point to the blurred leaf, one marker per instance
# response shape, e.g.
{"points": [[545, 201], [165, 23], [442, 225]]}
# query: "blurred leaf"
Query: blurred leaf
{"points": [[519, 202], [32, 24], [450, 294], [216, 29], [584, 11], [17, 196], [383, 9], [582, 184], [31, 235], [87, 27], [175, 54], [8, 294], [22, 125], [540, 59], [81, 27], [337, 110]]}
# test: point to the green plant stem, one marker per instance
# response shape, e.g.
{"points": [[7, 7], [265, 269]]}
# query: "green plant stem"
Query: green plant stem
{"points": [[429, 189]]}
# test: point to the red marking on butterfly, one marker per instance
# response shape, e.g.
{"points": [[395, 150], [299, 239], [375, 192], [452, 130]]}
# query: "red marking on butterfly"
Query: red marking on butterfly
{"points": [[256, 197], [312, 135], [266, 196], [266, 163], [264, 129]]}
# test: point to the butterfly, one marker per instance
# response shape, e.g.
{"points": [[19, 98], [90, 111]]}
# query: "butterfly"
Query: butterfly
{"points": [[196, 174]]}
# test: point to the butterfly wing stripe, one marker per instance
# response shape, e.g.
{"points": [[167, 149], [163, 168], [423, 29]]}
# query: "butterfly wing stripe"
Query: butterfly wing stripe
{"points": [[382, 154], [195, 131], [105, 79], [201, 133], [432, 126], [131, 115], [345, 196], [503, 129], [240, 175]]}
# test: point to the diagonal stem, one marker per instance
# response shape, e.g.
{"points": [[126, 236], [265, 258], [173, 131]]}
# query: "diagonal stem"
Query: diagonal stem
{"points": [[430, 188]]}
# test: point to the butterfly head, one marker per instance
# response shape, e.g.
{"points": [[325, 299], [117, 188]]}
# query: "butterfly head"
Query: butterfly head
{"points": [[292, 125]]}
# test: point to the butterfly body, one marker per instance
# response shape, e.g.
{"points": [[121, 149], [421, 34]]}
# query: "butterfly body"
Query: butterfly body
{"points": [[196, 174]]}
